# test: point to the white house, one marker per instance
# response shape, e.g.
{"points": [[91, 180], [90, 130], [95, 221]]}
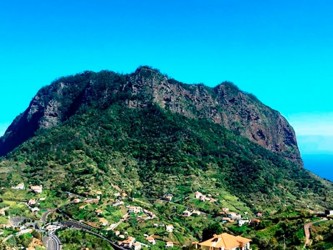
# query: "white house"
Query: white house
{"points": [[241, 222], [37, 189], [32, 202], [169, 228], [169, 244], [137, 246], [19, 186], [151, 240], [198, 195], [187, 213]]}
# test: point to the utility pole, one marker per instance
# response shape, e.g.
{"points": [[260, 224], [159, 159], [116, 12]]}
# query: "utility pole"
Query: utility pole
{"points": [[284, 242]]}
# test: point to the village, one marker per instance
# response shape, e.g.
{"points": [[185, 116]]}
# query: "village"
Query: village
{"points": [[117, 216]]}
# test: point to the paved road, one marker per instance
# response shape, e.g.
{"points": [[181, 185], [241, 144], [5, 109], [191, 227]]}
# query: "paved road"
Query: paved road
{"points": [[46, 214], [307, 231], [53, 242], [114, 226], [25, 231], [86, 228], [76, 224]]}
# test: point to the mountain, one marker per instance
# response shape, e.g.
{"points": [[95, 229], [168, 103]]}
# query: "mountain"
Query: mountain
{"points": [[225, 105], [135, 138], [191, 127]]}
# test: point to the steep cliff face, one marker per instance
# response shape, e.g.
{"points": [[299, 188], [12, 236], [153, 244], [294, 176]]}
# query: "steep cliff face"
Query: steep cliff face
{"points": [[225, 105]]}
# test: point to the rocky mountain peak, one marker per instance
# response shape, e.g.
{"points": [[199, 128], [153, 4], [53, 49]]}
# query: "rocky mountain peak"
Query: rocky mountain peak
{"points": [[224, 104]]}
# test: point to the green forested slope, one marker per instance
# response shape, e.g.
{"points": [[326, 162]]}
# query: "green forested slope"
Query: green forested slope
{"points": [[143, 150]]}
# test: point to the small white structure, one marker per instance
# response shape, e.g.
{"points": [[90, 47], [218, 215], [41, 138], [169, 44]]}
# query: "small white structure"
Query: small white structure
{"points": [[197, 212], [76, 201], [241, 222], [103, 222], [134, 209], [52, 228], [170, 228], [117, 203], [234, 216], [19, 186], [151, 240], [225, 210], [137, 246], [32, 202], [168, 197], [37, 189], [198, 195], [169, 244], [187, 213], [128, 242], [34, 209], [99, 212]]}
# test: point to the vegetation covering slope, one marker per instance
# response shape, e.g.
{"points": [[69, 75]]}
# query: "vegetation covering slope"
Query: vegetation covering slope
{"points": [[149, 151], [225, 105]]}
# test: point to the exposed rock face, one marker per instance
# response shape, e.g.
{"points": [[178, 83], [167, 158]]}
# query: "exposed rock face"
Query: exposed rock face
{"points": [[225, 104]]}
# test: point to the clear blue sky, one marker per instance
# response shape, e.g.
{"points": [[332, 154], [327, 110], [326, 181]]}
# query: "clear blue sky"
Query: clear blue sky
{"points": [[281, 51]]}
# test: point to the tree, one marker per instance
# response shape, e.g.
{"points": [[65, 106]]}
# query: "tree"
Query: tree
{"points": [[212, 229]]}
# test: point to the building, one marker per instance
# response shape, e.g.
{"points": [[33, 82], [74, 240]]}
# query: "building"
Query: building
{"points": [[255, 222], [76, 201], [37, 189], [128, 242], [137, 246], [151, 240], [91, 201], [103, 222], [329, 212], [99, 212], [169, 228], [117, 203], [34, 209], [187, 213], [198, 195], [168, 197], [259, 214], [204, 198], [227, 220], [169, 244], [134, 209], [234, 216], [226, 242], [241, 222], [225, 210], [19, 186], [32, 202], [196, 212]]}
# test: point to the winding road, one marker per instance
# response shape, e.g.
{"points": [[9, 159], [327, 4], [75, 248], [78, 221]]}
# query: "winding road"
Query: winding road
{"points": [[86, 228], [46, 214], [307, 233], [53, 242]]}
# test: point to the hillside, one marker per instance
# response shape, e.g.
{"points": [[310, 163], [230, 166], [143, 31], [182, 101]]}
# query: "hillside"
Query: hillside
{"points": [[144, 136]]}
